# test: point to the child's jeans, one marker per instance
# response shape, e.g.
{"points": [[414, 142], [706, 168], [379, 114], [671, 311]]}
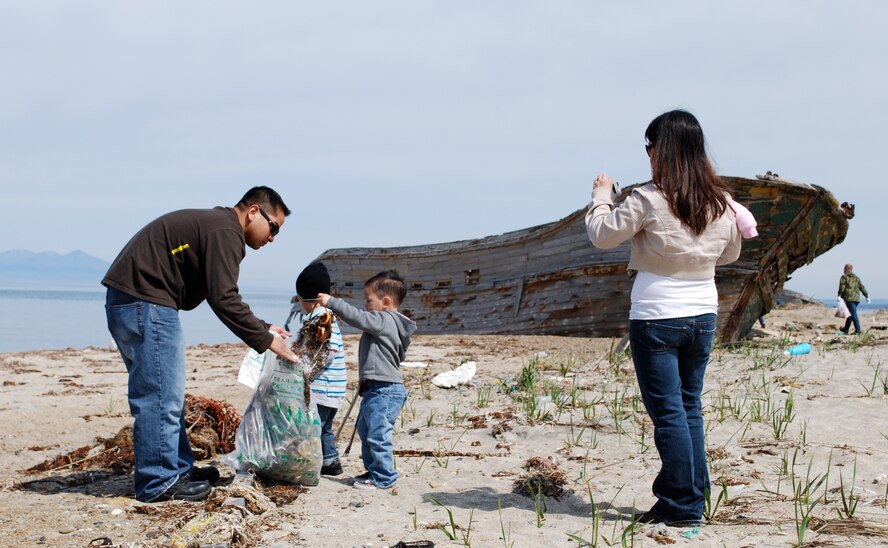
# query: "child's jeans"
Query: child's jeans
{"points": [[326, 415], [381, 404]]}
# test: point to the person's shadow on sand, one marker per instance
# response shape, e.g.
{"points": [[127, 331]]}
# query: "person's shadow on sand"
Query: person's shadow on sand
{"points": [[95, 483], [487, 500]]}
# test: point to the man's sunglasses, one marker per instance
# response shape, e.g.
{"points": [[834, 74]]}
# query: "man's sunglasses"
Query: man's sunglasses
{"points": [[272, 226]]}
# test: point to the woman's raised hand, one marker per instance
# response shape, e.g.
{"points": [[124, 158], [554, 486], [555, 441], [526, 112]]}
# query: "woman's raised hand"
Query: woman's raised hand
{"points": [[603, 179]]}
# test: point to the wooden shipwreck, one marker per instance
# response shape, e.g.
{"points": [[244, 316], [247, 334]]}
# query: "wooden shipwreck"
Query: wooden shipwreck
{"points": [[550, 280]]}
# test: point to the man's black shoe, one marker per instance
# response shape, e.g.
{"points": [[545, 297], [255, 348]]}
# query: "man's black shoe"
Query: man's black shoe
{"points": [[185, 489], [209, 474], [332, 469]]}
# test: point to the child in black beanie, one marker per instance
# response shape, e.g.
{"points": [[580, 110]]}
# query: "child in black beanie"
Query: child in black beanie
{"points": [[328, 388]]}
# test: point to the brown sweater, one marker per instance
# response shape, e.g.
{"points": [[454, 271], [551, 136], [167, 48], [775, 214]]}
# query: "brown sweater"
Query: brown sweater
{"points": [[185, 257]]}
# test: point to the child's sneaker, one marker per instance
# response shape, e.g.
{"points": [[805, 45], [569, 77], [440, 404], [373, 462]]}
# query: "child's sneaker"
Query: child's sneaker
{"points": [[362, 477], [365, 485], [332, 469]]}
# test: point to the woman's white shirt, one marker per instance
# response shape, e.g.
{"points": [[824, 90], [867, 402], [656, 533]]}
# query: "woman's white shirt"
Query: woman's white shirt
{"points": [[656, 297]]}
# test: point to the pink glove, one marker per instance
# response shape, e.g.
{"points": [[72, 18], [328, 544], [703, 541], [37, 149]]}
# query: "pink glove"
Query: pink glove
{"points": [[745, 220]]}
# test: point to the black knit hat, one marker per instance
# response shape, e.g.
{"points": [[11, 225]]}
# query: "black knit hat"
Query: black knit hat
{"points": [[313, 280]]}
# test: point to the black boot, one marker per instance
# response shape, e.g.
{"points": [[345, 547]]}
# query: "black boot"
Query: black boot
{"points": [[209, 474], [185, 489]]}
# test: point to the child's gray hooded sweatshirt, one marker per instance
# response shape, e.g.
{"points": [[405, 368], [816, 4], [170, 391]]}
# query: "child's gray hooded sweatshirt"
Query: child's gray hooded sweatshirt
{"points": [[383, 347]]}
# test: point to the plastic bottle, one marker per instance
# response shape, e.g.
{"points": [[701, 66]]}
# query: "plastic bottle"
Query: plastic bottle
{"points": [[798, 349]]}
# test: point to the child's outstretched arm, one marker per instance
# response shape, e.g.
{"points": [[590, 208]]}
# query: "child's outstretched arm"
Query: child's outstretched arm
{"points": [[368, 322]]}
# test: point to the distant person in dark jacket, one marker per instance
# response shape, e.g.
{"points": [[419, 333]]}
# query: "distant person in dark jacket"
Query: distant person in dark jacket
{"points": [[175, 263], [850, 288]]}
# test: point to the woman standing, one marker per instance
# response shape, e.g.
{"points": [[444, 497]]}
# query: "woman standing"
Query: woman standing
{"points": [[681, 227]]}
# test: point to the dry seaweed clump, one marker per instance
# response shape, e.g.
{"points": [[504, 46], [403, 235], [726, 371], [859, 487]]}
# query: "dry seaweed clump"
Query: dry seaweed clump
{"points": [[212, 426], [114, 454], [311, 344], [542, 476], [186, 525], [279, 493], [233, 515]]}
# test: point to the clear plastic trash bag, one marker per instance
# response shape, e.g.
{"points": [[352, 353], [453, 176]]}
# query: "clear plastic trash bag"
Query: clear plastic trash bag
{"points": [[280, 435]]}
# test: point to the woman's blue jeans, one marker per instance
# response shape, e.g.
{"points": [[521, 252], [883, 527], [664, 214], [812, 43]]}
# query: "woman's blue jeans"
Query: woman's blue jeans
{"points": [[149, 338], [381, 403], [670, 361]]}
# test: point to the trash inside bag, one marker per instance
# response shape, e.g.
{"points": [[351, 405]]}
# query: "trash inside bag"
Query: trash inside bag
{"points": [[279, 437]]}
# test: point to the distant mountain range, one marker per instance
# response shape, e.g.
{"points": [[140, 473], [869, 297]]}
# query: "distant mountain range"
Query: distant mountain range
{"points": [[20, 268]]}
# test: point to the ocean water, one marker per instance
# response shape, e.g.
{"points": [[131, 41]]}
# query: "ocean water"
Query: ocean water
{"points": [[75, 318], [863, 308]]}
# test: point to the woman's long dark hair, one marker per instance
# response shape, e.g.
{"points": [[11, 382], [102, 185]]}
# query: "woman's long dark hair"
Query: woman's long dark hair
{"points": [[682, 172]]}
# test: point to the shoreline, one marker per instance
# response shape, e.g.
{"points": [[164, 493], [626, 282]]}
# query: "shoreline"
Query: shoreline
{"points": [[200, 325]]}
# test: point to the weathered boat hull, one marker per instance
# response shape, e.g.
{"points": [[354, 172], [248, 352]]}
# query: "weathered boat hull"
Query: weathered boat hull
{"points": [[550, 280]]}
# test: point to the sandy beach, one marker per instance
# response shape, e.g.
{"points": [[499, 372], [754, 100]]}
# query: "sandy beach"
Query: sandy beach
{"points": [[798, 448]]}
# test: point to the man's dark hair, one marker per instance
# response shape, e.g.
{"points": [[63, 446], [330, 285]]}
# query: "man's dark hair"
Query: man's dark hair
{"points": [[388, 284], [266, 198]]}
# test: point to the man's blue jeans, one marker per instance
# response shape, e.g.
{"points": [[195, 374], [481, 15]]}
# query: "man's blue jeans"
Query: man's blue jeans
{"points": [[852, 308], [326, 416], [670, 361], [149, 338], [381, 402]]}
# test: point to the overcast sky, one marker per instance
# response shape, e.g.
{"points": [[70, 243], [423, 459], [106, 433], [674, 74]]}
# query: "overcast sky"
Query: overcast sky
{"points": [[396, 123]]}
